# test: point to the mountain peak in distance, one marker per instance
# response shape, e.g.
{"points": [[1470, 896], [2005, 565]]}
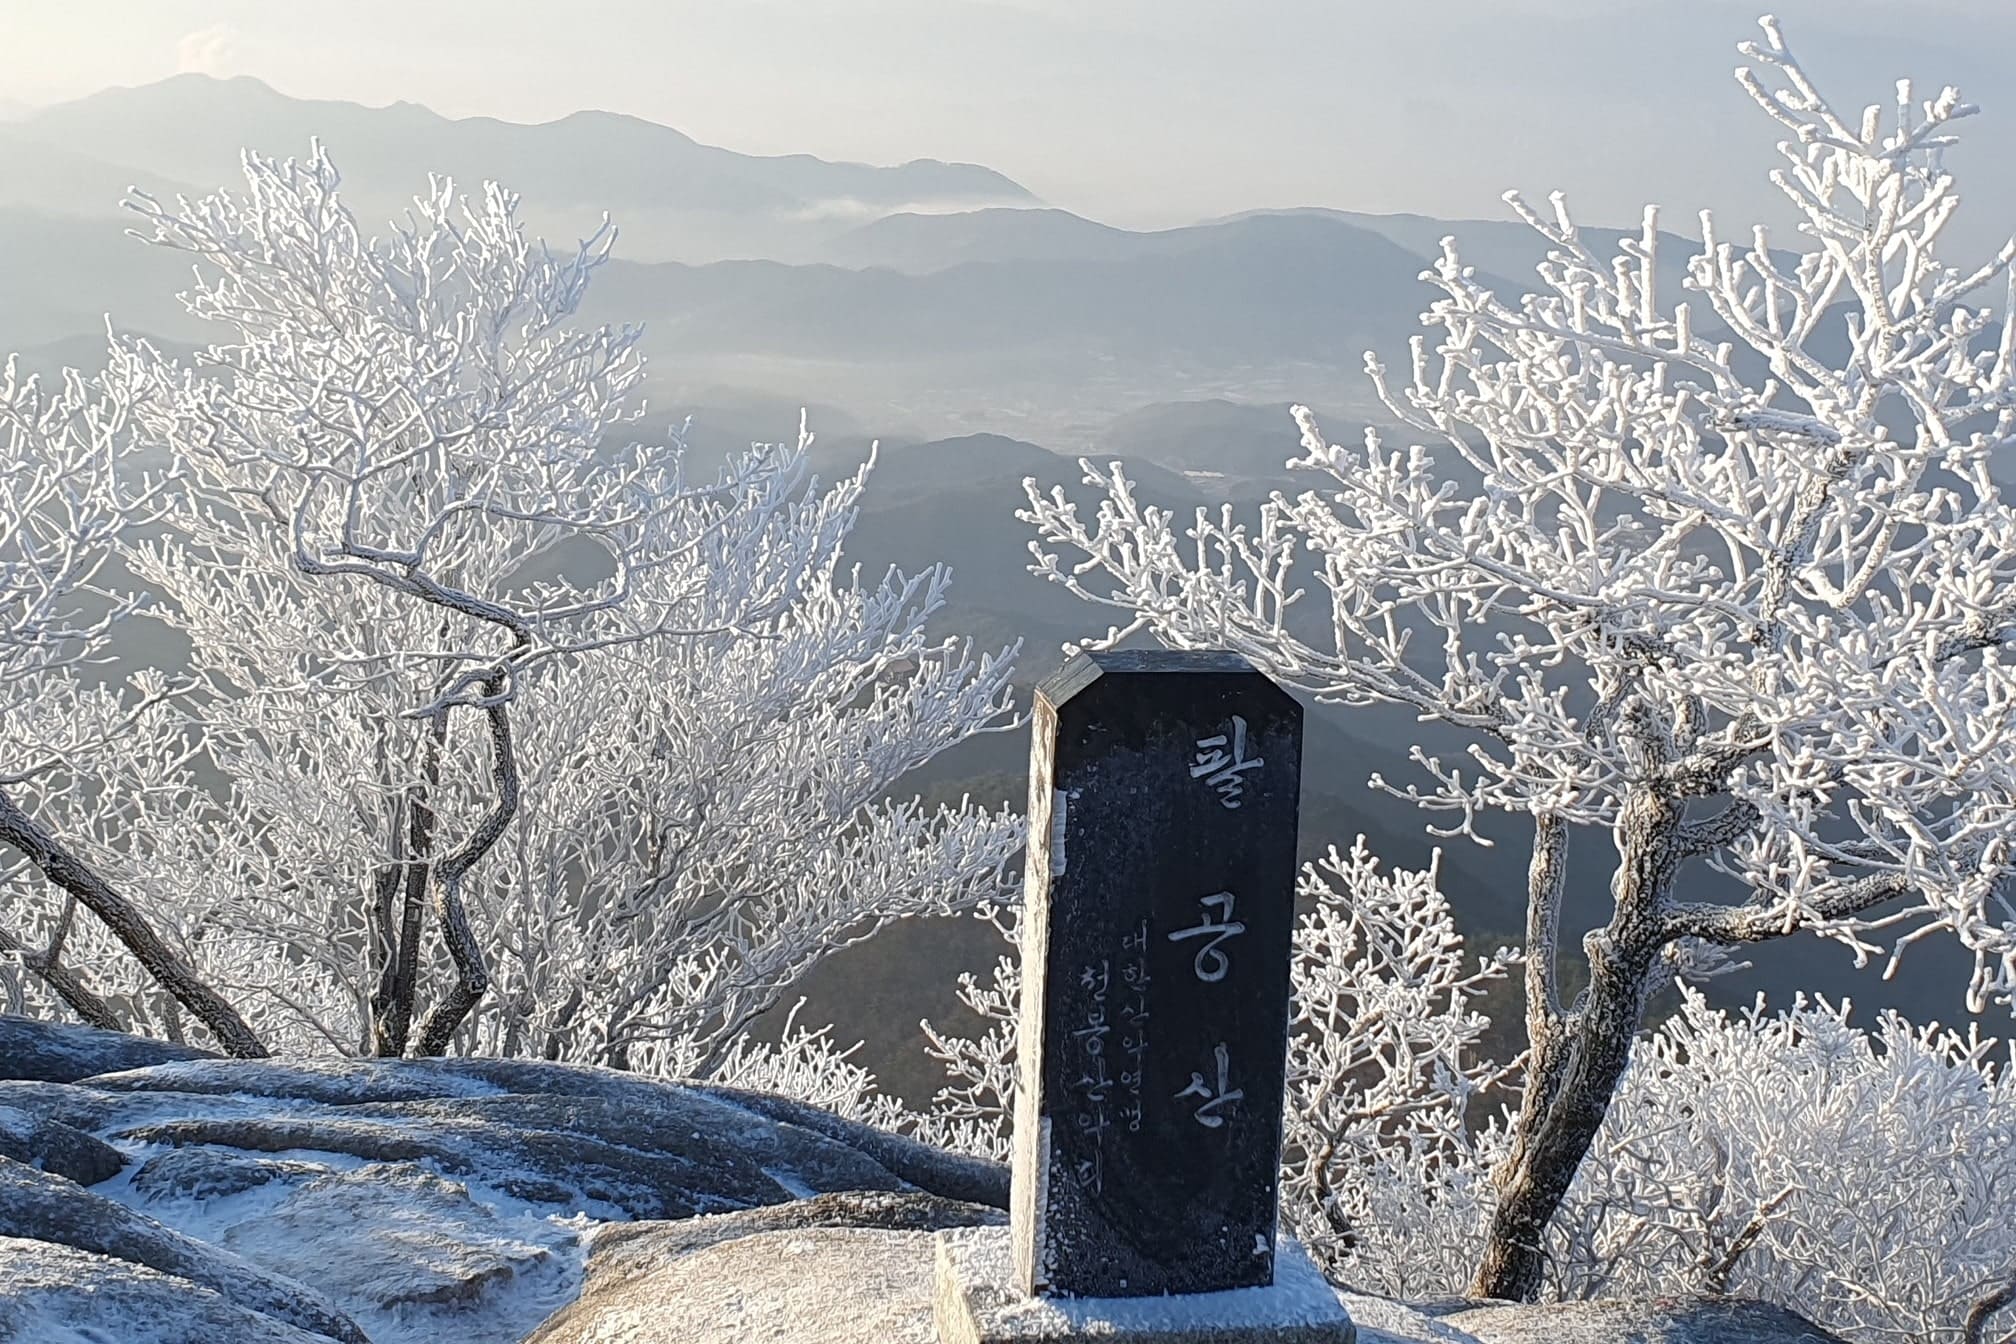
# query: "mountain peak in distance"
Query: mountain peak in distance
{"points": [[192, 127]]}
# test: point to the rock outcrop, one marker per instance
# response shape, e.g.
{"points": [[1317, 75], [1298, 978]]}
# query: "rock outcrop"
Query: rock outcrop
{"points": [[36, 1206], [647, 1282], [424, 1239], [52, 1052], [831, 1285], [153, 1195], [44, 1297], [1658, 1320], [54, 1147], [396, 1200], [211, 1173]]}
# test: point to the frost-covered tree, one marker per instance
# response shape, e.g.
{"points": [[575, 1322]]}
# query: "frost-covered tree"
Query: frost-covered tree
{"points": [[715, 814], [1731, 579], [504, 734], [1736, 1156], [70, 488]]}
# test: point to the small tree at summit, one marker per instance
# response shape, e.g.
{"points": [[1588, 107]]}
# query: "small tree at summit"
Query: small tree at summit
{"points": [[500, 733], [1684, 577], [70, 487]]}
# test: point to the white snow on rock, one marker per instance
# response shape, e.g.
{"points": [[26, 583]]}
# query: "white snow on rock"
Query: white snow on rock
{"points": [[332, 1081], [52, 1294], [393, 1234], [40, 1207], [412, 1256]]}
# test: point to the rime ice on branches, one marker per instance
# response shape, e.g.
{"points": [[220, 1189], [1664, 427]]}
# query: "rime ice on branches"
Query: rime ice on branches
{"points": [[1725, 576]]}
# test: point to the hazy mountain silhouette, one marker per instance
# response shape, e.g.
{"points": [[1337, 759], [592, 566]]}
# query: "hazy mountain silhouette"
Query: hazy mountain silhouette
{"points": [[929, 242], [1241, 295], [1269, 289], [66, 274], [51, 177], [193, 126], [920, 243]]}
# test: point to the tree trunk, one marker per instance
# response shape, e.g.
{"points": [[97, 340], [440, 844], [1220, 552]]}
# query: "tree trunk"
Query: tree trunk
{"points": [[472, 977], [562, 1024], [1577, 1071], [65, 983], [1548, 1047], [382, 946], [121, 916], [399, 987]]}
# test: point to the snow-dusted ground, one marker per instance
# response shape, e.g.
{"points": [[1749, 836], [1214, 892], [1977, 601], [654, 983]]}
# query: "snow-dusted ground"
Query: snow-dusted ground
{"points": [[396, 1200], [382, 1259]]}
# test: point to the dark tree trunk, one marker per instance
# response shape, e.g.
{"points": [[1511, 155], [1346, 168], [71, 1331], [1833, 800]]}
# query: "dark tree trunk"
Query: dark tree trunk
{"points": [[131, 927], [472, 977], [1576, 1069], [563, 1024], [1583, 1074], [399, 986], [383, 950], [65, 983]]}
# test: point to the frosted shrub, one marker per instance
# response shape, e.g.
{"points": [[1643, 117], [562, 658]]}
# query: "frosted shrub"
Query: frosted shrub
{"points": [[500, 734], [1381, 1169], [1866, 1179]]}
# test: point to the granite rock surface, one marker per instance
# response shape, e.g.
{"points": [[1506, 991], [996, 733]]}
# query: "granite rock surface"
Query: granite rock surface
{"points": [[153, 1195], [392, 1201]]}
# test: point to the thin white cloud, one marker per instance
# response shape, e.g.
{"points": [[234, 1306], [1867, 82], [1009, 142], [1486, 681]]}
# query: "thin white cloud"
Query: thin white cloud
{"points": [[209, 51]]}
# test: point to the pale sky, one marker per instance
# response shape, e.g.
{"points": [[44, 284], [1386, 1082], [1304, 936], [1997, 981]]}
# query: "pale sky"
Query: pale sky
{"points": [[1138, 112]]}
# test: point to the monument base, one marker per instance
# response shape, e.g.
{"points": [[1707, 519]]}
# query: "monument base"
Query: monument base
{"points": [[976, 1302]]}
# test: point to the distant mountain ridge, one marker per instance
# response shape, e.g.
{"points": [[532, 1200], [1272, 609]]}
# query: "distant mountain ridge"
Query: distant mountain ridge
{"points": [[919, 243], [1272, 289], [843, 283], [192, 127], [922, 243]]}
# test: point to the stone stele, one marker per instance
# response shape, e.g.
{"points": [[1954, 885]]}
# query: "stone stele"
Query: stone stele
{"points": [[1158, 909], [1159, 906]]}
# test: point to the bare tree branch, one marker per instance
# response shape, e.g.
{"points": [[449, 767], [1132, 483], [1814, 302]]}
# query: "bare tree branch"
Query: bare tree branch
{"points": [[124, 919]]}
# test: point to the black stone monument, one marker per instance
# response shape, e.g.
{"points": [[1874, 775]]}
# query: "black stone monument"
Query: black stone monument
{"points": [[1159, 905]]}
